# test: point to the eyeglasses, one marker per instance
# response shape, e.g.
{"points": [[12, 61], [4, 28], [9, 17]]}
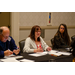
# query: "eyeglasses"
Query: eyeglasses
{"points": [[5, 36]]}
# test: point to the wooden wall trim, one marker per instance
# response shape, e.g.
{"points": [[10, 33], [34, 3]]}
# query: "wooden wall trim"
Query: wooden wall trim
{"points": [[44, 27]]}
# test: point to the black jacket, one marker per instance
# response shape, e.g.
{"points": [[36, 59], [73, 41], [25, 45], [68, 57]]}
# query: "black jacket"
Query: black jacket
{"points": [[59, 42]]}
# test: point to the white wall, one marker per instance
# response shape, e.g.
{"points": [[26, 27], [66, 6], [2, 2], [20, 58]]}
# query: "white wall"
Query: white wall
{"points": [[41, 18], [63, 17], [32, 18]]}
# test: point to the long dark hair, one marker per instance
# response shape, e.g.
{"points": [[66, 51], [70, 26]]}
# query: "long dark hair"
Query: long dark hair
{"points": [[65, 34], [32, 33]]}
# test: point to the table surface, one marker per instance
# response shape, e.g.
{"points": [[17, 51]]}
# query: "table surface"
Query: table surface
{"points": [[47, 57]]}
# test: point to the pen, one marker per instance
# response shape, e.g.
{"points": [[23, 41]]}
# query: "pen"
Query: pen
{"points": [[10, 50], [17, 48]]}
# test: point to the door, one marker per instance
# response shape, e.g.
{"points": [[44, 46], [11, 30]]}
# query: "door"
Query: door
{"points": [[5, 19]]}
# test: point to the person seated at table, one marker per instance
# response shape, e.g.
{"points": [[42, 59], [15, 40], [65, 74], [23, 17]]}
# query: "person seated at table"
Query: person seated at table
{"points": [[7, 44], [35, 43], [61, 38]]}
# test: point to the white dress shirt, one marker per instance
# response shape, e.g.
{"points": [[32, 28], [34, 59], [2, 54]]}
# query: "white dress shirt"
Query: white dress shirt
{"points": [[30, 45]]}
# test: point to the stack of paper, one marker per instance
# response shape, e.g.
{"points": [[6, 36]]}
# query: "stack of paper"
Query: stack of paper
{"points": [[58, 53], [54, 52]]}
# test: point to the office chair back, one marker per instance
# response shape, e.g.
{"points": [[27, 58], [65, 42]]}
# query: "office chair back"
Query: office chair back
{"points": [[73, 41], [52, 42], [21, 45], [73, 45], [73, 38]]}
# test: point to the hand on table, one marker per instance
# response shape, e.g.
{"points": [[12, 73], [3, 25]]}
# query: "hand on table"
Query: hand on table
{"points": [[38, 50], [49, 49], [16, 51], [7, 53]]}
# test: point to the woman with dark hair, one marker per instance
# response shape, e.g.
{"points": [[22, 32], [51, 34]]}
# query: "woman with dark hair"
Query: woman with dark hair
{"points": [[35, 43], [61, 38]]}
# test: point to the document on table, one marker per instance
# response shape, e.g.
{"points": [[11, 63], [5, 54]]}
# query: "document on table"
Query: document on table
{"points": [[65, 53], [39, 54], [13, 56], [52, 52], [26, 60], [9, 60], [58, 53]]}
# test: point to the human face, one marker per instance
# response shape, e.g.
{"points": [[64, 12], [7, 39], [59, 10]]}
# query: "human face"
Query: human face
{"points": [[62, 29], [37, 33], [4, 36]]}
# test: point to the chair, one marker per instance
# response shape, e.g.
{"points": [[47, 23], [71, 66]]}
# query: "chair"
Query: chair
{"points": [[73, 45], [73, 38], [21, 45], [52, 41], [73, 41]]}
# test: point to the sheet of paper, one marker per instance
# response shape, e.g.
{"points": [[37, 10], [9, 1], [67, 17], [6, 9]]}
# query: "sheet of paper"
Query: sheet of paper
{"points": [[54, 52], [39, 54], [26, 60], [9, 56], [58, 53], [13, 56], [65, 53], [9, 60]]}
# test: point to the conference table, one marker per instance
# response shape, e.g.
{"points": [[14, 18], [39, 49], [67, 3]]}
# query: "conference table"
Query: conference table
{"points": [[46, 57], [49, 58]]}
